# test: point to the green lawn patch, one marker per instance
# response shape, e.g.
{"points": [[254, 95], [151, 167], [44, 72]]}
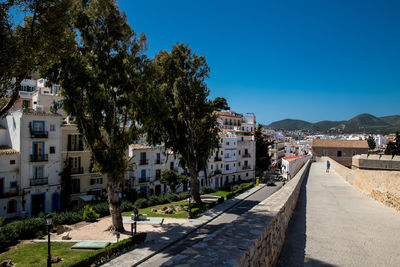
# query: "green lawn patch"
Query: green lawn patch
{"points": [[181, 210], [221, 193], [35, 254]]}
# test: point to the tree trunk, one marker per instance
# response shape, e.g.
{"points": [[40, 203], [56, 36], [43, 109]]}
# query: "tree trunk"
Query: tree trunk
{"points": [[114, 202], [206, 181], [194, 186]]}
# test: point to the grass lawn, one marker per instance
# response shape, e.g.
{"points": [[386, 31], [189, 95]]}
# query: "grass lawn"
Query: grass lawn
{"points": [[178, 214], [35, 254], [220, 193]]}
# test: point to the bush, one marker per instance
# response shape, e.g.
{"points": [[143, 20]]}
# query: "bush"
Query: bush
{"points": [[206, 190], [172, 197], [184, 195], [67, 217], [101, 255], [141, 203], [127, 205], [101, 208], [89, 214]]}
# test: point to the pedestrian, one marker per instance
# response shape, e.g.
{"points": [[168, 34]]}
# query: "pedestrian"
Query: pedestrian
{"points": [[328, 165]]}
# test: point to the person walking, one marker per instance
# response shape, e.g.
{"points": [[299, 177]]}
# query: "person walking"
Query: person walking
{"points": [[328, 165]]}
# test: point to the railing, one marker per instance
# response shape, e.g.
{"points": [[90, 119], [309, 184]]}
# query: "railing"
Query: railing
{"points": [[39, 134], [12, 192], [78, 147], [39, 158], [143, 162], [217, 158], [39, 181], [246, 155], [78, 170], [144, 179], [246, 167], [218, 171], [157, 161]]}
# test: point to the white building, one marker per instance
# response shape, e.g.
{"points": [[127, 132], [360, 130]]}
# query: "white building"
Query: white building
{"points": [[291, 165], [36, 136]]}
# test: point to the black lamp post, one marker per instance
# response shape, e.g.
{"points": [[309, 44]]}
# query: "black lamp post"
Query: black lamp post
{"points": [[49, 220], [190, 209]]}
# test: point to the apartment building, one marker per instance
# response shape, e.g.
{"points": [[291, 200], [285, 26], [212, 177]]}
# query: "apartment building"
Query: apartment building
{"points": [[76, 160], [36, 137], [277, 151]]}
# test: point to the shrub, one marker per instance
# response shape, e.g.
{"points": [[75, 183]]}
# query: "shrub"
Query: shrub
{"points": [[141, 203], [184, 195], [172, 197], [101, 208], [89, 214], [206, 190], [67, 217], [127, 205]]}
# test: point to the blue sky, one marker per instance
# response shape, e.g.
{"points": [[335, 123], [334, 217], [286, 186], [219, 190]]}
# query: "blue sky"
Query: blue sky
{"points": [[310, 60]]}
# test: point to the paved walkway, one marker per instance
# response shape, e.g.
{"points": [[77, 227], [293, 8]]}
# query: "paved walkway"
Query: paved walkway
{"points": [[334, 224], [162, 241]]}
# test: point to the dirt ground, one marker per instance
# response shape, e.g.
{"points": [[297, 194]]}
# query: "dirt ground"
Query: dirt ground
{"points": [[99, 230]]}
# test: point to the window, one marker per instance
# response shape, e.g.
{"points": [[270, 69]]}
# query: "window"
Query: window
{"points": [[52, 127], [227, 143], [143, 174], [12, 161], [76, 185], [96, 180], [212, 166], [38, 172], [13, 184], [239, 152], [171, 165], [234, 165], [12, 206], [222, 165], [38, 126], [227, 167], [247, 174], [52, 150], [339, 153], [75, 142], [25, 103], [158, 174], [222, 152], [158, 158], [354, 152], [239, 164]]}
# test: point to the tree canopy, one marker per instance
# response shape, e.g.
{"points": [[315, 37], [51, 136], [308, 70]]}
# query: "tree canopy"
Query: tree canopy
{"points": [[371, 142], [393, 148], [220, 103], [187, 124], [173, 179], [30, 46], [263, 159]]}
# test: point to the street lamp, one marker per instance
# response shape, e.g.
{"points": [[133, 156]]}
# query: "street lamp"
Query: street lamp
{"points": [[49, 220], [190, 209]]}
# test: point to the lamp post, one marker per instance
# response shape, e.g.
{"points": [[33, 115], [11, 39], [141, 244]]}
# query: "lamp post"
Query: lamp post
{"points": [[49, 220], [190, 209]]}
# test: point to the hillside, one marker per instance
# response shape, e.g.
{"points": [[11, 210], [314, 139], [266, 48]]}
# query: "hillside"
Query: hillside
{"points": [[363, 123]]}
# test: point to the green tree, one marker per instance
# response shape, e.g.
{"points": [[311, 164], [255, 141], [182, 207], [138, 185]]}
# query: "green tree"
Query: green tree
{"points": [[102, 83], [30, 46], [220, 103], [172, 179], [263, 159], [186, 124], [393, 148], [371, 142]]}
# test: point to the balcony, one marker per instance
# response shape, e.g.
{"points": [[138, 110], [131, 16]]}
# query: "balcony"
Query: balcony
{"points": [[12, 192], [144, 162], [39, 158], [39, 181], [144, 179], [39, 134], [158, 161], [75, 147], [78, 170], [246, 155], [246, 167], [217, 171], [217, 159]]}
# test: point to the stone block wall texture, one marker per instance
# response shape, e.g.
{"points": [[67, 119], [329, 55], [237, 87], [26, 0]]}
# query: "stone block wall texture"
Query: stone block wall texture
{"points": [[268, 222], [383, 186]]}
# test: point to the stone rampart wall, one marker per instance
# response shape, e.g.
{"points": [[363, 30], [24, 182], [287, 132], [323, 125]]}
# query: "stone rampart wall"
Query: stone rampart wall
{"points": [[383, 186], [268, 222]]}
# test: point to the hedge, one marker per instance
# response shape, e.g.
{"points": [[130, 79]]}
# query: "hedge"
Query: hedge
{"points": [[239, 189], [104, 254]]}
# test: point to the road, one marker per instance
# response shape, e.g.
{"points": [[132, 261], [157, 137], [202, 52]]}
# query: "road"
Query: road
{"points": [[228, 216]]}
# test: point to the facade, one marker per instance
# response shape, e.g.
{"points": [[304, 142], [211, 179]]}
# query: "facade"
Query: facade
{"points": [[86, 184], [28, 86], [291, 165], [277, 151], [36, 138], [341, 151]]}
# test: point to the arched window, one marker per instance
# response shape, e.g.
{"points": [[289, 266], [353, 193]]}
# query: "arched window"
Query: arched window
{"points": [[12, 206]]}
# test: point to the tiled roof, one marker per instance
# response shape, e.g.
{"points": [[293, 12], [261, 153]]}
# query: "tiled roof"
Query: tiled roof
{"points": [[4, 150], [294, 157], [138, 146], [340, 143]]}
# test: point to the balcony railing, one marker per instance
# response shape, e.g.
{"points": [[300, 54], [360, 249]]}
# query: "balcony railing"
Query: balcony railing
{"points": [[246, 155], [39, 181], [39, 158], [158, 161], [217, 158], [246, 167], [78, 170], [77, 147], [143, 162], [218, 171], [39, 134], [144, 179], [12, 192]]}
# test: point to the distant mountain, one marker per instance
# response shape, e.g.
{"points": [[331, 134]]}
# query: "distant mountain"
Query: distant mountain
{"points": [[363, 123], [290, 125]]}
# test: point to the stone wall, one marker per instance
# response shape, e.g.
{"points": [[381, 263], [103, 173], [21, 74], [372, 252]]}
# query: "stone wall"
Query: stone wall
{"points": [[268, 222], [383, 186], [376, 162]]}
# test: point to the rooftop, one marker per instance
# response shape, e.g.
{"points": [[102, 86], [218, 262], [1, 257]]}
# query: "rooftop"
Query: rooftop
{"points": [[340, 143], [139, 146], [5, 150], [294, 157]]}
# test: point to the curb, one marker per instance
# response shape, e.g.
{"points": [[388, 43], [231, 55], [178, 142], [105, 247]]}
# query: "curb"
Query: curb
{"points": [[199, 226]]}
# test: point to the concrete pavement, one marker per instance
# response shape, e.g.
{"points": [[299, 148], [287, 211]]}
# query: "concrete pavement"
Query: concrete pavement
{"points": [[334, 224]]}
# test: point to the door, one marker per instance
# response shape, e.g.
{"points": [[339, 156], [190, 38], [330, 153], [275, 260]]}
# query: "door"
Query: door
{"points": [[55, 202], [38, 150], [37, 204], [158, 190]]}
